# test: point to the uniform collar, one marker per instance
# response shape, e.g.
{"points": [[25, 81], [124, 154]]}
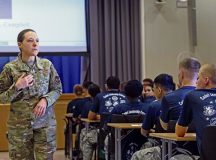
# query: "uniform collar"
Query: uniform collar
{"points": [[25, 67]]}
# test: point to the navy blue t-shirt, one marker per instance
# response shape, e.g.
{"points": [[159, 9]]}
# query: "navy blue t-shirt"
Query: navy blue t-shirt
{"points": [[199, 106], [171, 104], [72, 104], [129, 108], [106, 101], [75, 106], [152, 115], [147, 101], [86, 108]]}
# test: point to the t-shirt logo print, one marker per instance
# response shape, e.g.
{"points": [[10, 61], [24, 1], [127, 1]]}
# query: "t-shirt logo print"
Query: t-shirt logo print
{"points": [[108, 103], [209, 110], [181, 102], [111, 102], [213, 122]]}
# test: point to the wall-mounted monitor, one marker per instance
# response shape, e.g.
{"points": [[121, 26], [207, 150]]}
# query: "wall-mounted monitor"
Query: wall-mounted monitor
{"points": [[60, 25]]}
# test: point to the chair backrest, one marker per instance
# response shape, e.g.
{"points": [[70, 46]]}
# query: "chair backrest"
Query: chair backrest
{"points": [[120, 118], [104, 118], [208, 143], [129, 143], [103, 129]]}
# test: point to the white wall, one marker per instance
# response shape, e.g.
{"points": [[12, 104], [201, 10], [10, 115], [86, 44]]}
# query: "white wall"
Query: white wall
{"points": [[206, 30], [166, 35]]}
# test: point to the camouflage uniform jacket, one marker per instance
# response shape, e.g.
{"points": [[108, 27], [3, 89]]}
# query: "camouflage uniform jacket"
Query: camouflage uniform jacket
{"points": [[47, 84]]}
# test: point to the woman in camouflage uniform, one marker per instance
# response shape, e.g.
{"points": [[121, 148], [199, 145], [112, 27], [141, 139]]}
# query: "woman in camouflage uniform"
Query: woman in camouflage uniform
{"points": [[31, 85]]}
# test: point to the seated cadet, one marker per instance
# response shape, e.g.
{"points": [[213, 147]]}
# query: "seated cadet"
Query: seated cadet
{"points": [[147, 92], [73, 105], [147, 95], [163, 84], [106, 101], [103, 103], [78, 91], [93, 90], [171, 104], [199, 105], [77, 107], [133, 90]]}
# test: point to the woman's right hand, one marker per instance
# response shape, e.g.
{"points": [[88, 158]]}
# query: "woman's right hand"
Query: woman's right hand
{"points": [[24, 81]]}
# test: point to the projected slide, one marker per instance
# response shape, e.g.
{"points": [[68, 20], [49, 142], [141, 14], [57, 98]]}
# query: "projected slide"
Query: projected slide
{"points": [[5, 9], [60, 24]]}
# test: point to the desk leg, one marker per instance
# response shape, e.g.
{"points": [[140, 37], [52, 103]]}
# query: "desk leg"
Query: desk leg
{"points": [[163, 149], [87, 126], [169, 149], [70, 139], [117, 144]]}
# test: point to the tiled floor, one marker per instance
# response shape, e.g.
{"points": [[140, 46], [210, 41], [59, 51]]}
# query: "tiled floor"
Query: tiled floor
{"points": [[59, 155]]}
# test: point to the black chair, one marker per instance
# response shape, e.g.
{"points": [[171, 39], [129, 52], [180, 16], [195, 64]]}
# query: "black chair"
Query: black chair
{"points": [[71, 124], [103, 130], [119, 118], [129, 143], [208, 151], [67, 132]]}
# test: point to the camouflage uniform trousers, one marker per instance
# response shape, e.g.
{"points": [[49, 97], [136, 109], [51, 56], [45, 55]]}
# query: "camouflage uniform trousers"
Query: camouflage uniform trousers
{"points": [[153, 153], [184, 157], [149, 151], [32, 144], [88, 138]]}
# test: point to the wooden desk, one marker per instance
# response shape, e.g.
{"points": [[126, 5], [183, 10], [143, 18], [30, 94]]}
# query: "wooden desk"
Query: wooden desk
{"points": [[88, 121], [118, 127], [169, 138]]}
